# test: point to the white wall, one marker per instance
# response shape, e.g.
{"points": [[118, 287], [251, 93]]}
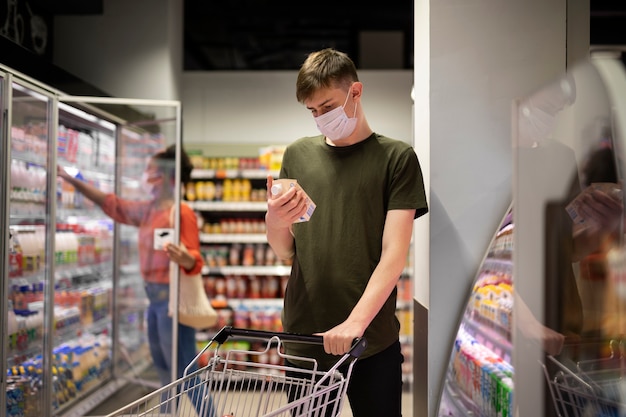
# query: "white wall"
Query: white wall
{"points": [[260, 107], [134, 49]]}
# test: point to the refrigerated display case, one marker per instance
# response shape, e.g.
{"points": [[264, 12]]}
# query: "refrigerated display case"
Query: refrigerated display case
{"points": [[73, 321], [479, 378]]}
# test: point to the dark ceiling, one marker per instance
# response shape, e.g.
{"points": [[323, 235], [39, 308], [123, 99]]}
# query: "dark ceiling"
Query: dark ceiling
{"points": [[608, 22], [268, 35]]}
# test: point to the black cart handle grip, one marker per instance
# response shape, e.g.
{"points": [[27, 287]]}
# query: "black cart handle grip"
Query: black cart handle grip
{"points": [[358, 344]]}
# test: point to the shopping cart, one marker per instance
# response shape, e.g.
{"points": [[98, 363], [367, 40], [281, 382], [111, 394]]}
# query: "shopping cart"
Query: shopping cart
{"points": [[588, 388], [241, 383]]}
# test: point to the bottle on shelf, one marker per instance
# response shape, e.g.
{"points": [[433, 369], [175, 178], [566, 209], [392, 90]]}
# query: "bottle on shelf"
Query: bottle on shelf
{"points": [[15, 255]]}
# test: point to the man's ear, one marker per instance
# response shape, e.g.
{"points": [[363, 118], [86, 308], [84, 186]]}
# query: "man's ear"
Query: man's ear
{"points": [[357, 89]]}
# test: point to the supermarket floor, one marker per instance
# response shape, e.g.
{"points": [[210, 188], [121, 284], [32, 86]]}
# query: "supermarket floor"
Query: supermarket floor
{"points": [[131, 392]]}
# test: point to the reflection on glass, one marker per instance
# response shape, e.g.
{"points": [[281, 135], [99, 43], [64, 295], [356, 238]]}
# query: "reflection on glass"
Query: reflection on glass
{"points": [[137, 146], [568, 308], [569, 221]]}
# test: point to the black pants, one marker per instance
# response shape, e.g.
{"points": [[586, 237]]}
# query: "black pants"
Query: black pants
{"points": [[375, 387]]}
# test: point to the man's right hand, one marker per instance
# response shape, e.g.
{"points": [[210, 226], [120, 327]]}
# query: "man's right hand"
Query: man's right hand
{"points": [[285, 209]]}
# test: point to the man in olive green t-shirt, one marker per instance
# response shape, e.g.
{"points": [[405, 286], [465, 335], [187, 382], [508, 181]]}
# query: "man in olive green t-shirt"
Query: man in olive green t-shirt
{"points": [[348, 257]]}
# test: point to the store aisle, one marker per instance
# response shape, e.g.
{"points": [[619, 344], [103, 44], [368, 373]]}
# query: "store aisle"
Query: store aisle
{"points": [[407, 406], [126, 395], [132, 392]]}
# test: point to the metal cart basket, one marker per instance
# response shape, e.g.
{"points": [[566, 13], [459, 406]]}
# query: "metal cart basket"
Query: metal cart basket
{"points": [[588, 388], [240, 383]]}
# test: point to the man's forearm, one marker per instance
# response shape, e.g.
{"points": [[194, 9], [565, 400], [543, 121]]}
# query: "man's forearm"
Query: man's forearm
{"points": [[281, 241]]}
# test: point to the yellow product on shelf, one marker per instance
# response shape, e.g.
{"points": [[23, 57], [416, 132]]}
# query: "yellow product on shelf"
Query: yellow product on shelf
{"points": [[405, 317], [196, 160], [233, 163], [190, 192], [493, 291], [236, 190], [246, 189], [200, 191], [209, 190], [479, 295], [86, 307], [506, 289], [271, 157], [489, 310], [486, 279], [227, 191]]}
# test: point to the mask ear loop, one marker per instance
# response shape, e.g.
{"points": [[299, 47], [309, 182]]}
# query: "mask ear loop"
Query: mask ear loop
{"points": [[346, 102], [347, 97]]}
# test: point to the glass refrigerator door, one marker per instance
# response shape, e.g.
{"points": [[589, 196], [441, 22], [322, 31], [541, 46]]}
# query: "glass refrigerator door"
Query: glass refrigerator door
{"points": [[83, 262], [27, 249], [74, 310], [143, 128]]}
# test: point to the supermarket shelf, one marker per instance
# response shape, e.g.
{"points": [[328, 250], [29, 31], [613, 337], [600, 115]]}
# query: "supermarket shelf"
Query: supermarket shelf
{"points": [[91, 400], [458, 404], [28, 157], [233, 238], [248, 270], [498, 264], [228, 205], [232, 173], [130, 269], [103, 392], [19, 220], [490, 337], [16, 355], [255, 302]]}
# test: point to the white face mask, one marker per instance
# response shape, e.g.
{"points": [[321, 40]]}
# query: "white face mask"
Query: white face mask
{"points": [[336, 124], [147, 186]]}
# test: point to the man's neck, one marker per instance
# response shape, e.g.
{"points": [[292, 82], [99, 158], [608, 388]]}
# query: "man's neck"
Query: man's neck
{"points": [[356, 137]]}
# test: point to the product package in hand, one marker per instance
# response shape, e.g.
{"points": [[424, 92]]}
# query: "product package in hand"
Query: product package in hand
{"points": [[161, 237], [279, 186], [573, 208]]}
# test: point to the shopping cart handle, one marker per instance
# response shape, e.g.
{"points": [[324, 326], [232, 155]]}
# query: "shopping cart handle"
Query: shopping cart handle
{"points": [[358, 344]]}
